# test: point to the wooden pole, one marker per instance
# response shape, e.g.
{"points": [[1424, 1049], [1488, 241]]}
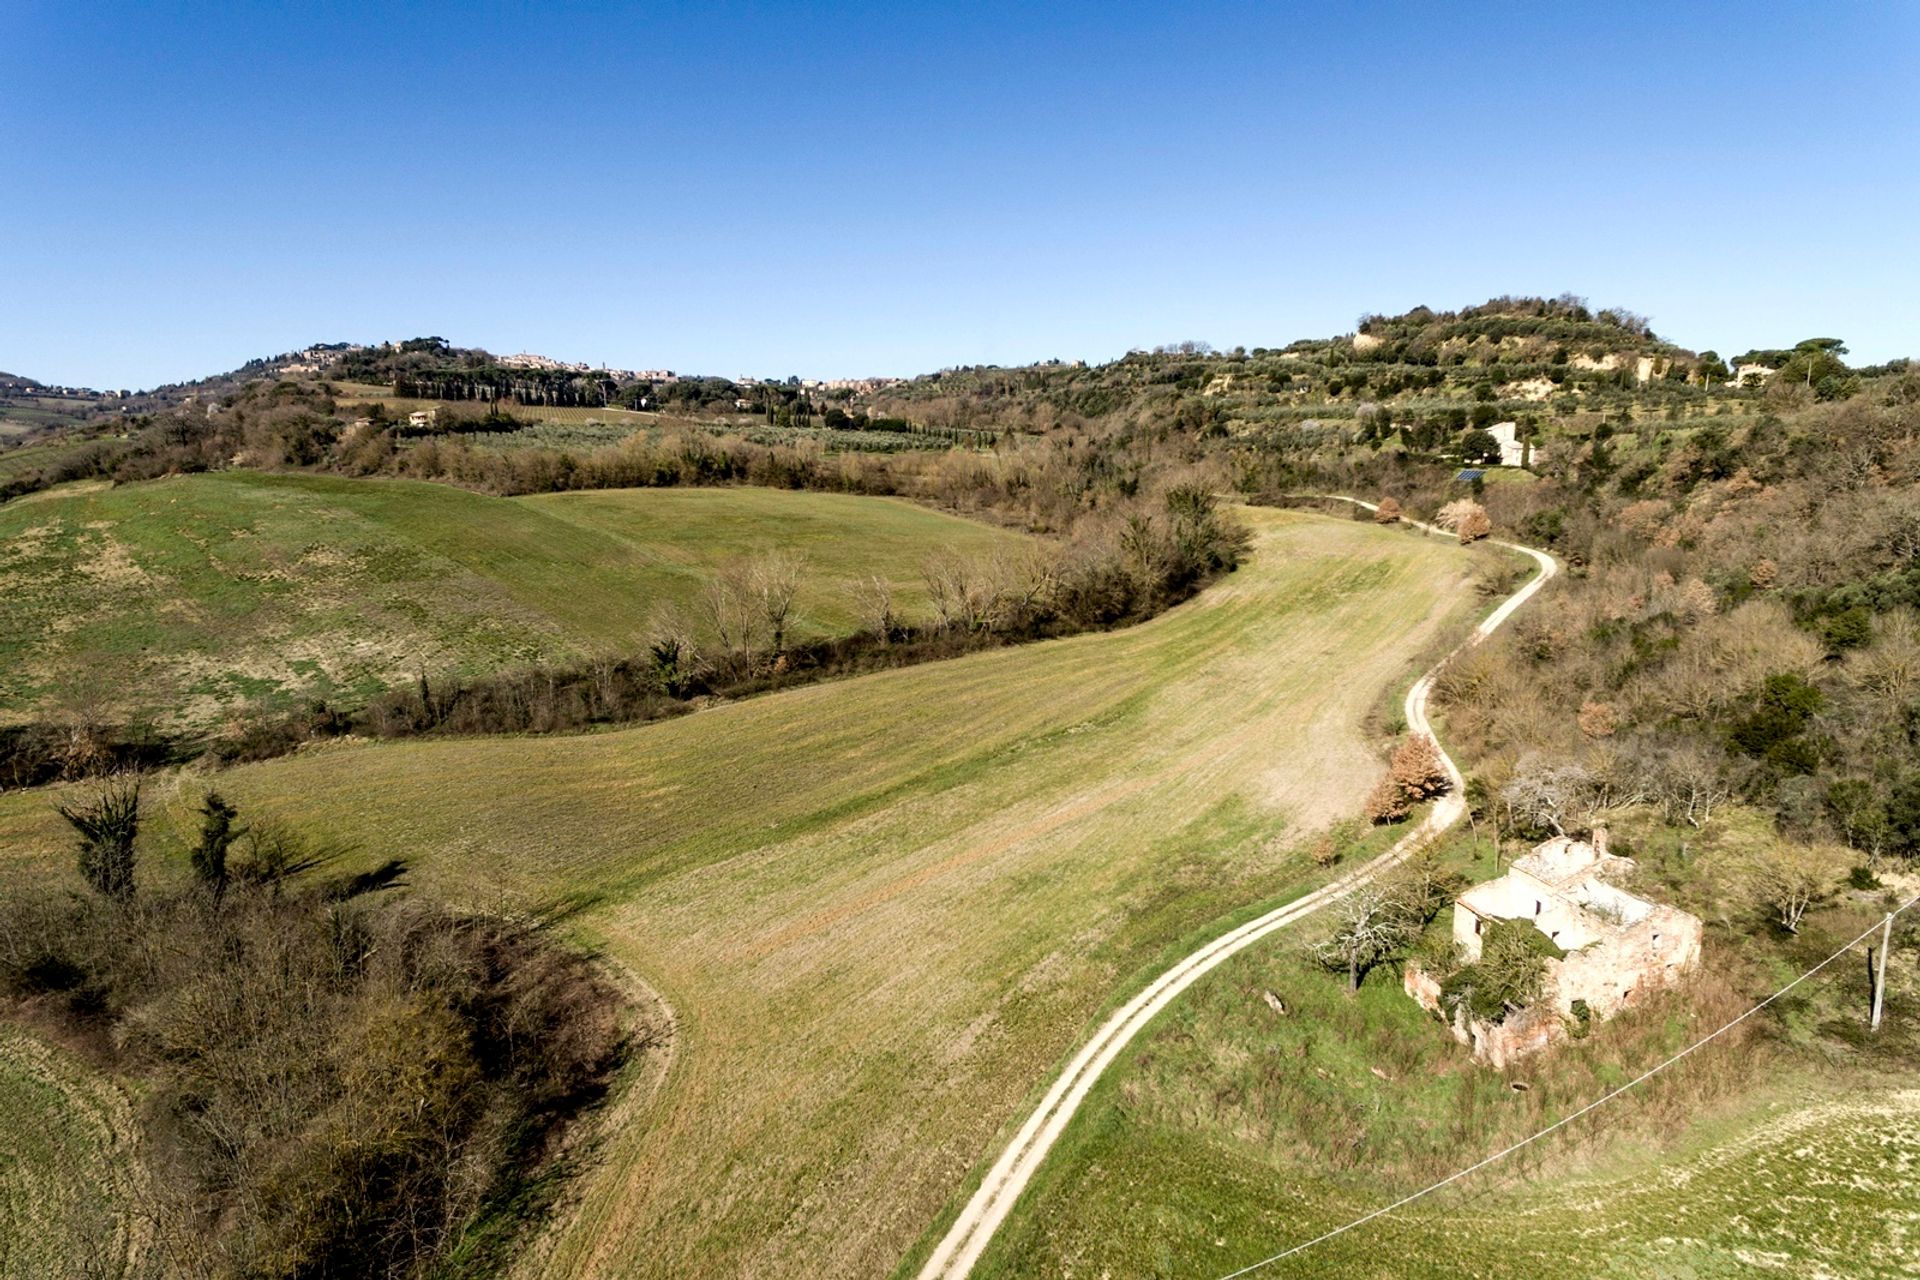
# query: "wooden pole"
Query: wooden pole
{"points": [[1880, 970]]}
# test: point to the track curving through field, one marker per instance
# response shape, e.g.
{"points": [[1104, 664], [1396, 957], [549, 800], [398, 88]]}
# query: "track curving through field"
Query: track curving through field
{"points": [[971, 1232]]}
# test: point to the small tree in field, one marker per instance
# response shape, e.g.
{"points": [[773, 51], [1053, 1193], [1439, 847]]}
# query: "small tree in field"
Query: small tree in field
{"points": [[1418, 770], [108, 825], [1787, 882], [1374, 925], [1381, 921], [217, 834], [1386, 802], [773, 580], [873, 605], [1388, 512], [1465, 519]]}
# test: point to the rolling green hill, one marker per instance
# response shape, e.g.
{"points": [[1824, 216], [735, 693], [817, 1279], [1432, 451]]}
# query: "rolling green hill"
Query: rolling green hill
{"points": [[183, 598]]}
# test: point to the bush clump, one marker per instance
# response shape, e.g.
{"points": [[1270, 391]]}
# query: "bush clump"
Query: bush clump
{"points": [[332, 1082]]}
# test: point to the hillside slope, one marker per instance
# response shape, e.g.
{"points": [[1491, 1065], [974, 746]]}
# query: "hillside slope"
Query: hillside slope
{"points": [[883, 908], [186, 597]]}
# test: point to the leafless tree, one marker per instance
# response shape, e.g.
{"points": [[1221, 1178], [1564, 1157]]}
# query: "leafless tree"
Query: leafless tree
{"points": [[873, 605], [1689, 782], [1025, 582], [1379, 921], [1787, 883], [729, 607], [1551, 795], [949, 584], [772, 581], [1374, 923]]}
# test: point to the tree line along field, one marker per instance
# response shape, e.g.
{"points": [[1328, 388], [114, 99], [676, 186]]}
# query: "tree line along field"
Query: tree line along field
{"points": [[188, 597], [588, 426], [884, 908]]}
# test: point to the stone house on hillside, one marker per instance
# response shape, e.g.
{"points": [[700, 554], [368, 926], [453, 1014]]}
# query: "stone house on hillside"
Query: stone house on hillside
{"points": [[1618, 946], [1513, 451]]}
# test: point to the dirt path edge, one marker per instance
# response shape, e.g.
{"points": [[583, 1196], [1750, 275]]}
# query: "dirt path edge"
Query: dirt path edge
{"points": [[967, 1238]]}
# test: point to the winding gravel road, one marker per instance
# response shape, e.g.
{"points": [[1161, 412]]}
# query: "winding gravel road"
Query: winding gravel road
{"points": [[974, 1229]]}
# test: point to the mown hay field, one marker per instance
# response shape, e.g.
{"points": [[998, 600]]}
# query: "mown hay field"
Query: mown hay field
{"points": [[885, 908], [186, 597], [66, 1166]]}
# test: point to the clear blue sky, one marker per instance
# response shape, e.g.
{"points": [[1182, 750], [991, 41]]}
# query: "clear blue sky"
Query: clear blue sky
{"points": [[778, 189]]}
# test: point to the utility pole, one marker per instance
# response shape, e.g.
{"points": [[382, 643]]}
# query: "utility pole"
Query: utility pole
{"points": [[1880, 970]]}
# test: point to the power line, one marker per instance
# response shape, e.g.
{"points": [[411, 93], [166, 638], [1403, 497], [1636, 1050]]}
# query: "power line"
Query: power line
{"points": [[1561, 1123]]}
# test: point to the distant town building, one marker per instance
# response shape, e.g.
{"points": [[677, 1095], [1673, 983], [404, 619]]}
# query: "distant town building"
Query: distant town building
{"points": [[530, 360]]}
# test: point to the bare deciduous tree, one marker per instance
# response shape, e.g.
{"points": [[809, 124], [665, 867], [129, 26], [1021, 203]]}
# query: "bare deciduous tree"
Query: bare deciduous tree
{"points": [[1373, 925], [1551, 796], [949, 584], [1689, 782], [730, 607], [1380, 921], [1786, 883], [873, 605], [773, 580]]}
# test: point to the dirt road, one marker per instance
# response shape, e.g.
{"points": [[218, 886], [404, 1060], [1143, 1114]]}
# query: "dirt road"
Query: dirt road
{"points": [[971, 1232]]}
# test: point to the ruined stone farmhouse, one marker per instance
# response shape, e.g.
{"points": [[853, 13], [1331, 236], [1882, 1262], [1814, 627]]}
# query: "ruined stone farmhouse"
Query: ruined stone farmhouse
{"points": [[1618, 946]]}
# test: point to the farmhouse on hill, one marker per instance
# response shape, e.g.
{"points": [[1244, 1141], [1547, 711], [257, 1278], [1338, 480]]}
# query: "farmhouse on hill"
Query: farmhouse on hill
{"points": [[1513, 450], [1616, 946]]}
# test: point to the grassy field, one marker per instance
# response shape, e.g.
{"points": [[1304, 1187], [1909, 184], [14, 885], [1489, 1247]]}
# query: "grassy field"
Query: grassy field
{"points": [[187, 596], [885, 908], [64, 1164], [1785, 1188]]}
